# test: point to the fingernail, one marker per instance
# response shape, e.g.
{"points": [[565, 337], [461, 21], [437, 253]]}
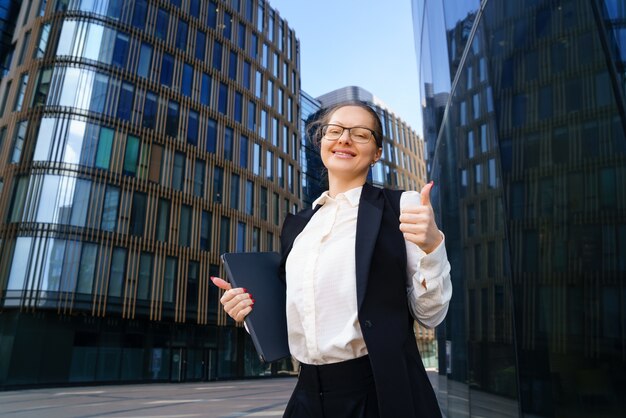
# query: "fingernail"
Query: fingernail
{"points": [[432, 182], [244, 290], [212, 278], [253, 301]]}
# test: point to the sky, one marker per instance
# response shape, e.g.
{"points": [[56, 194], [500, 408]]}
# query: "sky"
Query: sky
{"points": [[365, 43]]}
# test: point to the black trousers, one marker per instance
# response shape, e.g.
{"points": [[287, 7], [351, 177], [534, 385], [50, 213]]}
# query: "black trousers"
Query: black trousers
{"points": [[338, 390]]}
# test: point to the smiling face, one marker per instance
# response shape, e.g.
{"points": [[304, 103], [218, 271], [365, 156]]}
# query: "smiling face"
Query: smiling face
{"points": [[348, 162]]}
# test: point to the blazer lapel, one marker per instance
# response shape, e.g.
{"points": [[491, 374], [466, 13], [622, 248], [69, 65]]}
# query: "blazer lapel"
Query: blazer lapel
{"points": [[367, 226]]}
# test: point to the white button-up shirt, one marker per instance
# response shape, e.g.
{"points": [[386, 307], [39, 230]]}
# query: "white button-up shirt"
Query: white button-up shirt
{"points": [[322, 317]]}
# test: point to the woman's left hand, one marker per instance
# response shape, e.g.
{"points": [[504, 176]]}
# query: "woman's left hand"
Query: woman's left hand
{"points": [[418, 223]]}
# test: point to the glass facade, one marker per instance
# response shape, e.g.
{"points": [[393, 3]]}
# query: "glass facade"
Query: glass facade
{"points": [[523, 113], [127, 141]]}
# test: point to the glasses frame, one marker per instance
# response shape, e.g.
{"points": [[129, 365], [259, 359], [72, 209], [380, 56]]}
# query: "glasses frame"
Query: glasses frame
{"points": [[343, 128]]}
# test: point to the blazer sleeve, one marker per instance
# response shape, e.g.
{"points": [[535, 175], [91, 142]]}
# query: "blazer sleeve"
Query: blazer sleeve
{"points": [[429, 287]]}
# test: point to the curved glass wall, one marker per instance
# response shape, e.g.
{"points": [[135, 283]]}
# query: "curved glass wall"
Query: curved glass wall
{"points": [[529, 150], [139, 140]]}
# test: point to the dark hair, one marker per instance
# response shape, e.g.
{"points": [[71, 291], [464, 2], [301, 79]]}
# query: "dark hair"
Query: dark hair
{"points": [[325, 115]]}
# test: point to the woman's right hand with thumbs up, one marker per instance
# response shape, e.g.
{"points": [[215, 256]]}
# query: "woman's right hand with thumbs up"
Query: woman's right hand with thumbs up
{"points": [[237, 302]]}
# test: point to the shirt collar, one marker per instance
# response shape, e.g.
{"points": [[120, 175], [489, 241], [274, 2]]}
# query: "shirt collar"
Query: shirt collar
{"points": [[352, 196]]}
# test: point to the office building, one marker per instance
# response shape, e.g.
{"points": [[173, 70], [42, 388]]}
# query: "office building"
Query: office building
{"points": [[139, 140], [530, 153]]}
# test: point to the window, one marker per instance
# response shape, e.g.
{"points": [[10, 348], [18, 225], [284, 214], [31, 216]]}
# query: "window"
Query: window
{"points": [[116, 277], [162, 226], [131, 156], [241, 236], [266, 56], [228, 26], [281, 172], [156, 156], [275, 132], [241, 36], [137, 214], [238, 107], [5, 96], [192, 128], [254, 46], [145, 60], [228, 144], [178, 176], [212, 15], [243, 151], [252, 116], [249, 197], [258, 84], [43, 41], [98, 92], [211, 135], [198, 179], [103, 153], [181, 35], [169, 278], [256, 239], [120, 50], [194, 8], [109, 209], [125, 104], [200, 44], [162, 23], [25, 43], [246, 74], [218, 184], [18, 140], [276, 206], [184, 237], [149, 110], [205, 231], [171, 123], [187, 79], [217, 55], [222, 105], [269, 165], [257, 163], [144, 277], [270, 93], [263, 130], [205, 92], [167, 70], [19, 99], [263, 203], [224, 234], [270, 241], [234, 191], [139, 14], [232, 66]]}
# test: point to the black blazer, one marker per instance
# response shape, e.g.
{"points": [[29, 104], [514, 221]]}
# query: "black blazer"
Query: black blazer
{"points": [[402, 384]]}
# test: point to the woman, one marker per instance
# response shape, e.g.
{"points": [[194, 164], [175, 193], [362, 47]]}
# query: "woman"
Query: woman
{"points": [[359, 266]]}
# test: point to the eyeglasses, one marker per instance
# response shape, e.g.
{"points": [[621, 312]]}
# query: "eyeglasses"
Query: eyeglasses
{"points": [[357, 134]]}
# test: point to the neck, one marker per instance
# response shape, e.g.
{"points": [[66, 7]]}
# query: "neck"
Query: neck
{"points": [[338, 185]]}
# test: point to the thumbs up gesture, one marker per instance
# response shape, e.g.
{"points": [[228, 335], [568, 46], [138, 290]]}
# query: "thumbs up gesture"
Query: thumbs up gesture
{"points": [[418, 223]]}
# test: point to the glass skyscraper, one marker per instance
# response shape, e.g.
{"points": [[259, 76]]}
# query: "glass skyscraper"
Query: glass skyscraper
{"points": [[139, 140], [530, 153]]}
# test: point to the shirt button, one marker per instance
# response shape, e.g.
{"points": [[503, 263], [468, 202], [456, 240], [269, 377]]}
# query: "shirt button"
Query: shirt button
{"points": [[368, 324]]}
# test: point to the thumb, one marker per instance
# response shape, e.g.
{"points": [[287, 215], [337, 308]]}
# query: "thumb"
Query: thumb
{"points": [[221, 283], [425, 193]]}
